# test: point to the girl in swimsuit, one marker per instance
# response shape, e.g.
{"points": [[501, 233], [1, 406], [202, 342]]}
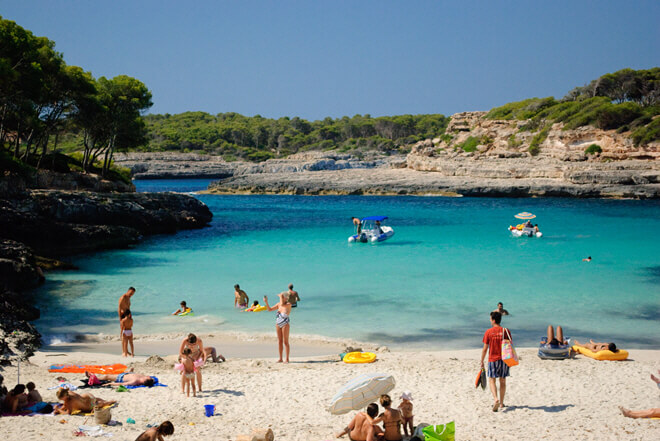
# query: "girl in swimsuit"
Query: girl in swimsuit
{"points": [[281, 323], [198, 354], [188, 373], [127, 333]]}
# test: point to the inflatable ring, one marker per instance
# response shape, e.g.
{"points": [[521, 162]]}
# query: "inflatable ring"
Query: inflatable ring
{"points": [[360, 357]]}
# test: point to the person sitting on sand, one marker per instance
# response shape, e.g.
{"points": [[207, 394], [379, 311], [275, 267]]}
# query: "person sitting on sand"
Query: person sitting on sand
{"points": [[362, 426], [211, 353], [183, 309], [241, 299], [391, 419], [126, 333], [555, 341], [656, 379], [73, 403], [3, 390], [16, 399], [647, 413], [198, 354], [595, 347], [406, 408], [500, 309], [125, 379], [33, 395], [165, 428]]}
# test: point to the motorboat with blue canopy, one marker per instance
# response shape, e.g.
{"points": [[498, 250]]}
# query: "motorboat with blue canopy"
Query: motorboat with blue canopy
{"points": [[372, 230]]}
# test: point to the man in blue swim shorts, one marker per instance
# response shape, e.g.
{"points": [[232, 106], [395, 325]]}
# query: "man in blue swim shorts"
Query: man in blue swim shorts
{"points": [[496, 366]]}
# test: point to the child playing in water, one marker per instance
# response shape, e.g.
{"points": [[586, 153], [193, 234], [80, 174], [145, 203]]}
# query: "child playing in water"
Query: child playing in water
{"points": [[188, 373], [157, 433], [33, 394], [406, 408], [127, 333]]}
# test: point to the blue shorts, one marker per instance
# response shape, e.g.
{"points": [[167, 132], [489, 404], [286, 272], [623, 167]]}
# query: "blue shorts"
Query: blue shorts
{"points": [[497, 369], [120, 378]]}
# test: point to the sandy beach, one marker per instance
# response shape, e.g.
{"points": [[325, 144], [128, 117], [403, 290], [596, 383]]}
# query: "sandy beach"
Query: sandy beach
{"points": [[546, 400]]}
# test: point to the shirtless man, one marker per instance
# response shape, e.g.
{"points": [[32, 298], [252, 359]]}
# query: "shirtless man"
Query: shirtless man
{"points": [[125, 302], [72, 402], [125, 379], [362, 427], [595, 347], [500, 309], [241, 299], [292, 296]]}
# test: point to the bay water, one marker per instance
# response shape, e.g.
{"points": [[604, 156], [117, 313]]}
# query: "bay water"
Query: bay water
{"points": [[430, 286]]}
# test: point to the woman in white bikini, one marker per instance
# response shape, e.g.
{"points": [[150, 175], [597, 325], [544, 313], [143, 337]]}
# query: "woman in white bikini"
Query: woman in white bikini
{"points": [[281, 323], [197, 353], [127, 333]]}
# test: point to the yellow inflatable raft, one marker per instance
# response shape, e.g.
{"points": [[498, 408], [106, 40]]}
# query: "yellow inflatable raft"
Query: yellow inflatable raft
{"points": [[621, 354], [360, 357]]}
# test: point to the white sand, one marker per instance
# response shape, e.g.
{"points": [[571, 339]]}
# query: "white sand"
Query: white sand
{"points": [[547, 400]]}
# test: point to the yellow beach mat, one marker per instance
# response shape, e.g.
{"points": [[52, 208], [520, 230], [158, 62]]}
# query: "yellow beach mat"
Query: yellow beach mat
{"points": [[360, 357], [109, 406], [622, 354]]}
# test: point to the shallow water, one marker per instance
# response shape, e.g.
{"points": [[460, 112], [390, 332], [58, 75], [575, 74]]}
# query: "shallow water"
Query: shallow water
{"points": [[430, 286]]}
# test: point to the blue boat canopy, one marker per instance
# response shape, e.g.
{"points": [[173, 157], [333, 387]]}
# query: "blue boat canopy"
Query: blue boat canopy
{"points": [[374, 218]]}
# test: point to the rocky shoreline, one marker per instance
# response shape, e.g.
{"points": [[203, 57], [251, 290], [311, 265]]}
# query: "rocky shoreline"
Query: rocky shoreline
{"points": [[499, 162], [39, 226]]}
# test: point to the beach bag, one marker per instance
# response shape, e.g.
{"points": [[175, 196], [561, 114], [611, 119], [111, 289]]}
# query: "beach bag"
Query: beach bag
{"points": [[442, 432], [509, 355], [102, 415]]}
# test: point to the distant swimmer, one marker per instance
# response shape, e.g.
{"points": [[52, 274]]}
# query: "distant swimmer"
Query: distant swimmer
{"points": [[588, 259], [500, 309], [241, 299], [292, 296], [183, 309], [125, 301]]}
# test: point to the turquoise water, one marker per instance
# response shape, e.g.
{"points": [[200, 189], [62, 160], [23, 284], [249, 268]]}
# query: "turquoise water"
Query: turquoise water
{"points": [[432, 285]]}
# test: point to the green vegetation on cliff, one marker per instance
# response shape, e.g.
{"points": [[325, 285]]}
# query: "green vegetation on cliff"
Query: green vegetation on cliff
{"points": [[256, 138], [626, 100]]}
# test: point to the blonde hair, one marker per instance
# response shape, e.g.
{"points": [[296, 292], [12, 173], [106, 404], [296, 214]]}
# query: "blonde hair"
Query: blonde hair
{"points": [[62, 393]]}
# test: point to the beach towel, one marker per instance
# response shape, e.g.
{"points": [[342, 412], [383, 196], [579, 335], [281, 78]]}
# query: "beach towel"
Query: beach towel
{"points": [[156, 383], [77, 412], [92, 431], [92, 368], [64, 385]]}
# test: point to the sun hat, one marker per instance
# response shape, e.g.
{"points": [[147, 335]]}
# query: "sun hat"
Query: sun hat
{"points": [[406, 396]]}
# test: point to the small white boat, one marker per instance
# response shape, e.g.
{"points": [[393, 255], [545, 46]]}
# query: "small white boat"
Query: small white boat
{"points": [[526, 229], [529, 232], [372, 231]]}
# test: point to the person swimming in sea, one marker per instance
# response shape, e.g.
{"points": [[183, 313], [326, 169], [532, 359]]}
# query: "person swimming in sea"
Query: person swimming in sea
{"points": [[183, 309]]}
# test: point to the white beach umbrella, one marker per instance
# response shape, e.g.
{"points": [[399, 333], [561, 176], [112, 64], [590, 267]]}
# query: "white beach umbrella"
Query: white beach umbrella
{"points": [[359, 392]]}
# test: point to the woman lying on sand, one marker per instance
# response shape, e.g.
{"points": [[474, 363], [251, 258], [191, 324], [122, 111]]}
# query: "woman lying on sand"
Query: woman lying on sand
{"points": [[595, 347], [362, 426], [72, 402]]}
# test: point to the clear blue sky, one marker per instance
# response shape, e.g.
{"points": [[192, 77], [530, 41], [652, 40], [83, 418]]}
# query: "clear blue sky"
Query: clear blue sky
{"points": [[332, 58]]}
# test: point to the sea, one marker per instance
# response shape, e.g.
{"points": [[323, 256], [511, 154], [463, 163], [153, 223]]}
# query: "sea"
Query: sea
{"points": [[431, 286]]}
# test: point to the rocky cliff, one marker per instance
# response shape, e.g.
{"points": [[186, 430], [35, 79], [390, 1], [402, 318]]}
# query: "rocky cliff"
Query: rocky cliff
{"points": [[499, 163], [56, 223]]}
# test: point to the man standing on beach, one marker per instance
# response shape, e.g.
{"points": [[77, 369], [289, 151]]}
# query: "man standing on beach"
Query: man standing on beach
{"points": [[496, 366], [292, 296], [241, 299], [125, 301]]}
